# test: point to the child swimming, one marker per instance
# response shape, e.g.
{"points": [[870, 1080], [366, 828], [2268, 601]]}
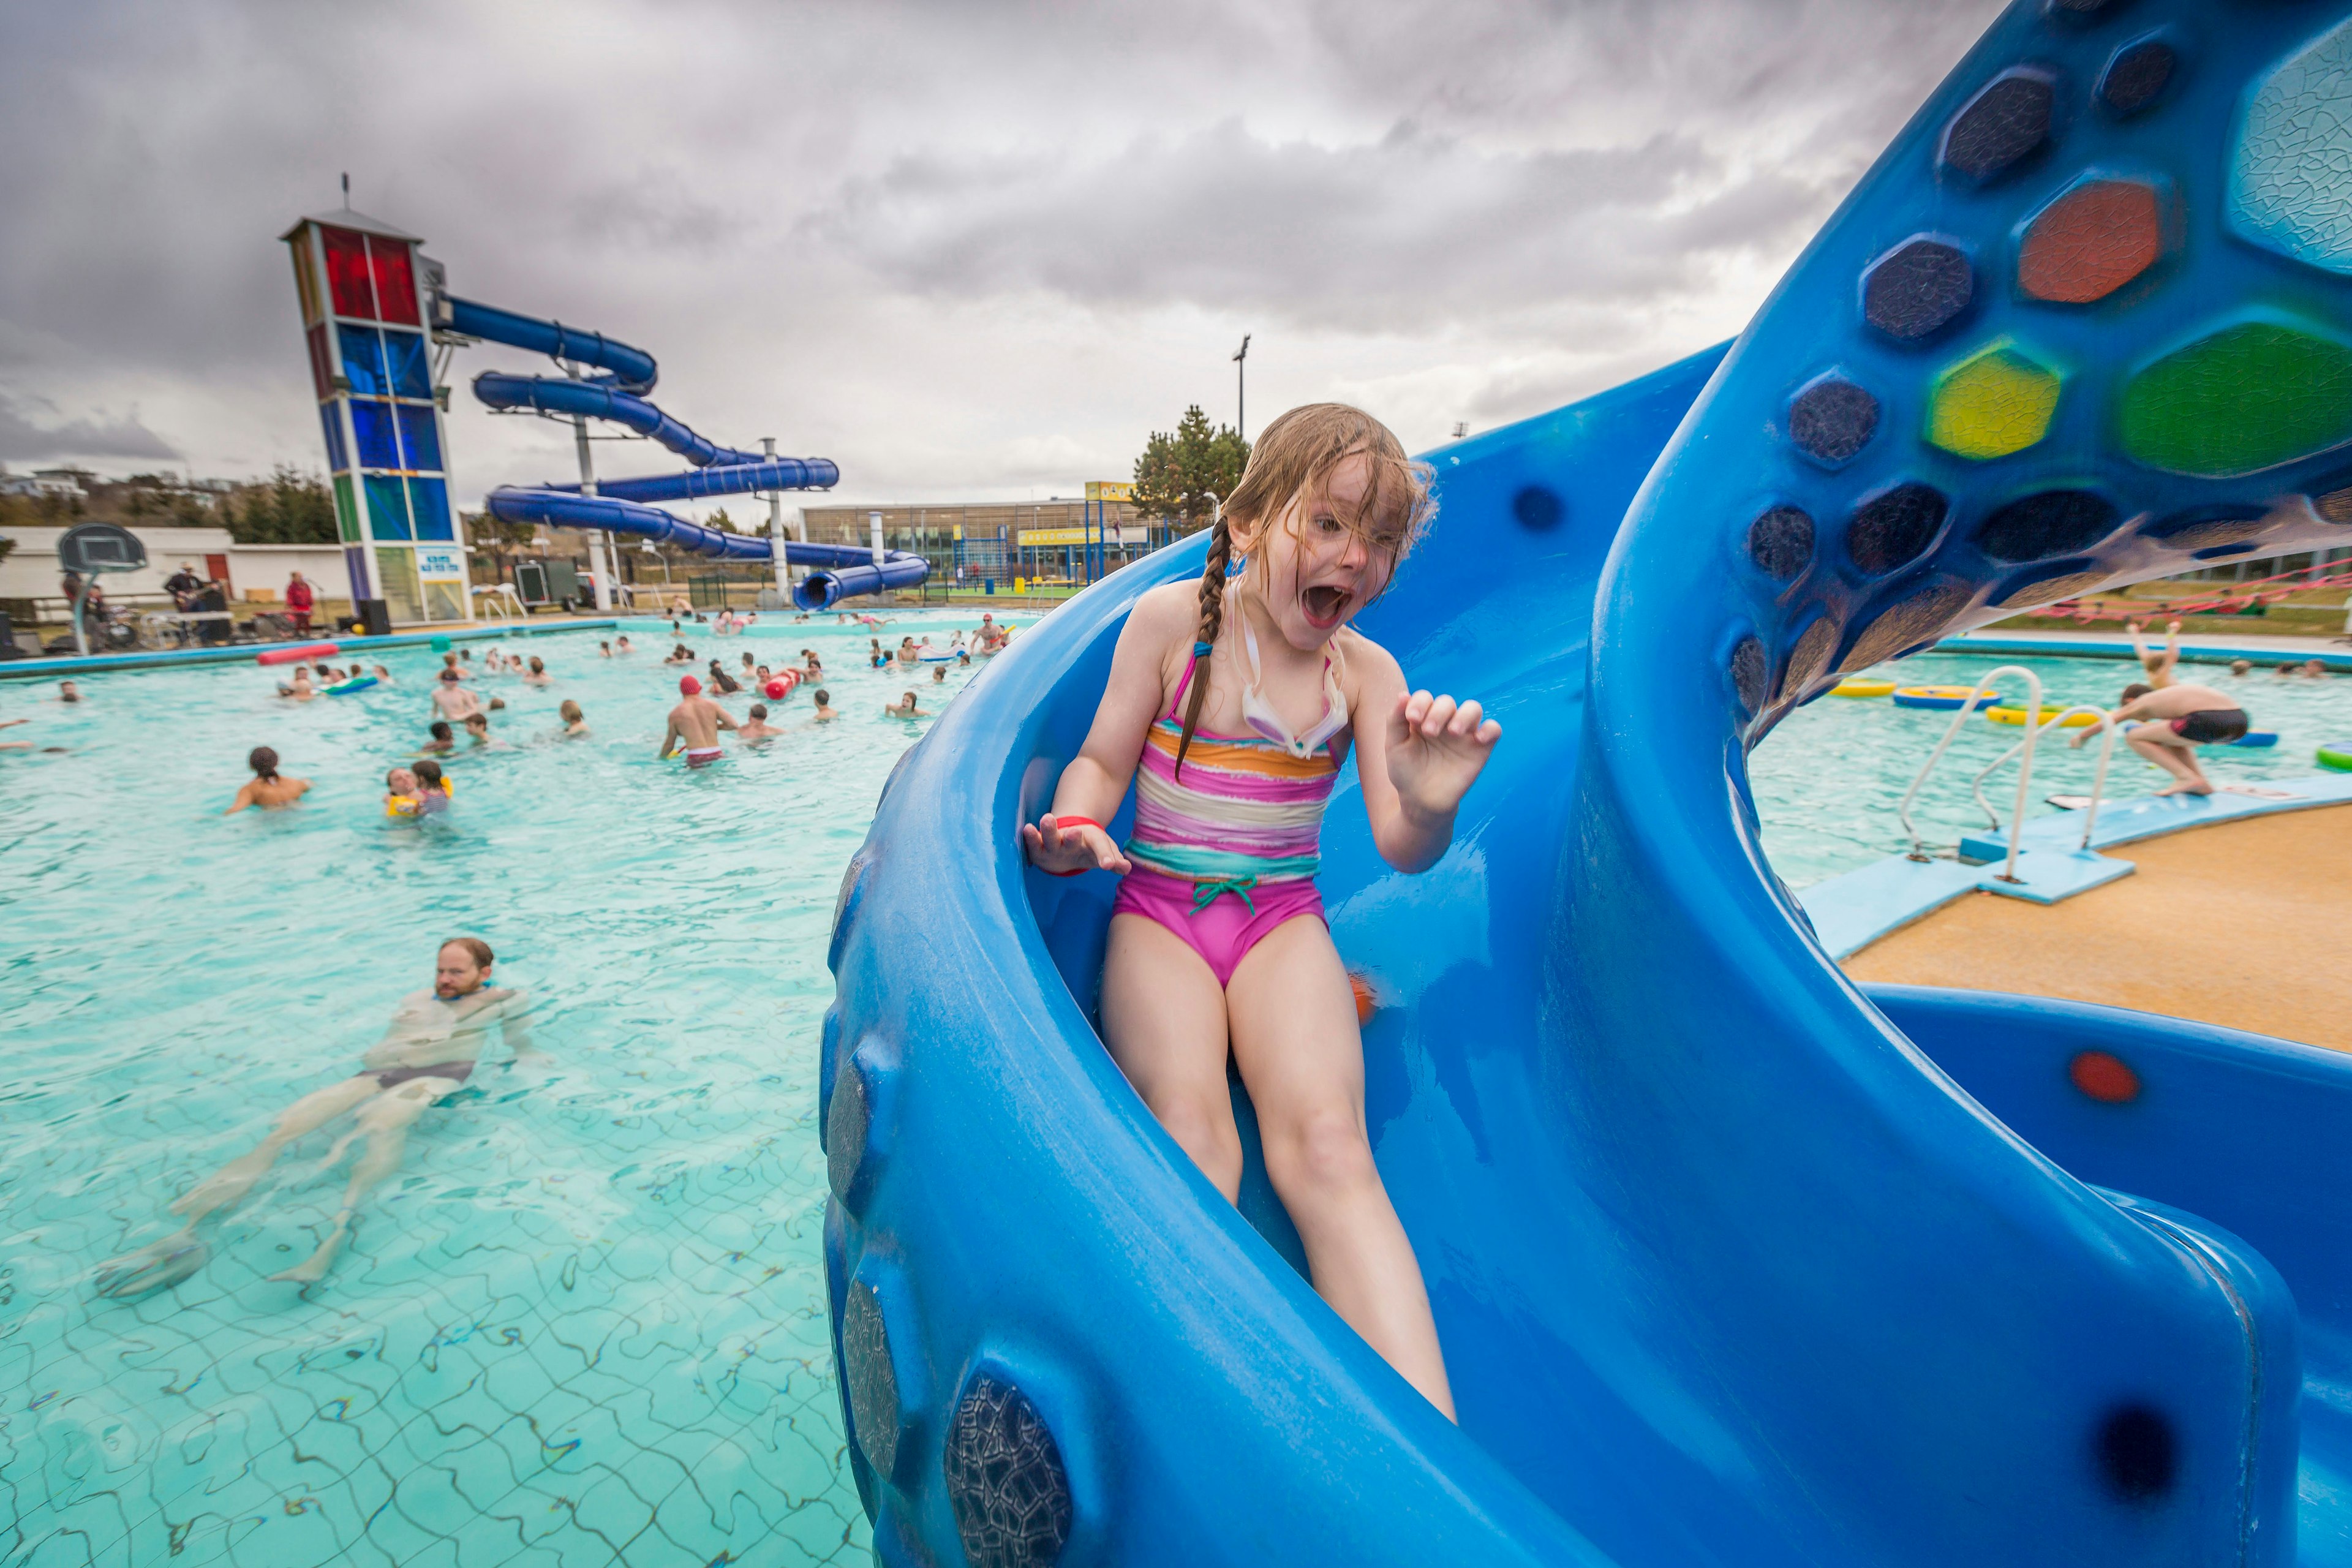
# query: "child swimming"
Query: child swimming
{"points": [[1232, 705], [433, 790], [403, 795], [575, 722]]}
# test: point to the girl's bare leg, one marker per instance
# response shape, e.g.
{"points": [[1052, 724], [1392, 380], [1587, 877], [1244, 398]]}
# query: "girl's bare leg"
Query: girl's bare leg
{"points": [[1164, 1020], [1293, 1031]]}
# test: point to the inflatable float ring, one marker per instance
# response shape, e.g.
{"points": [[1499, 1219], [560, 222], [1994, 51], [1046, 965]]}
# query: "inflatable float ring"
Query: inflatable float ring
{"points": [[345, 687], [2338, 756], [1941, 697], [1863, 689]]}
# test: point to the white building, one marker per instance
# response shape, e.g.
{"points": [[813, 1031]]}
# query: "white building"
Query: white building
{"points": [[255, 573]]}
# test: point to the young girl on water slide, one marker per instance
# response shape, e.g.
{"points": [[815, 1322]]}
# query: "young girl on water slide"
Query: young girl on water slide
{"points": [[1238, 697]]}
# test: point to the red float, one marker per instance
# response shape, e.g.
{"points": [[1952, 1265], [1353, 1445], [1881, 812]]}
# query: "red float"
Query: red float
{"points": [[301, 653]]}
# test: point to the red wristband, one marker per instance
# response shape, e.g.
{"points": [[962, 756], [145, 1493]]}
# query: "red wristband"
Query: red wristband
{"points": [[1061, 821]]}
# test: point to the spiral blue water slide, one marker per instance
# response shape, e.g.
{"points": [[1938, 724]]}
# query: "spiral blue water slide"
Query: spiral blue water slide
{"points": [[616, 394], [1732, 1261]]}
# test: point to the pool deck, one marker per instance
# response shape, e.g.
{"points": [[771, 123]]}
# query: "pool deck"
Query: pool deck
{"points": [[68, 666], [2195, 648], [2236, 925], [1852, 911]]}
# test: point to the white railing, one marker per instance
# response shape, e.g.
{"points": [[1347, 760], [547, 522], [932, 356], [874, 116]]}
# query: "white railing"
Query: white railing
{"points": [[1918, 850], [1992, 817]]}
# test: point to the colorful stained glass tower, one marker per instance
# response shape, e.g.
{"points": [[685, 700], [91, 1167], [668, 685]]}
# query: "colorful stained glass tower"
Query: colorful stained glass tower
{"points": [[362, 288]]}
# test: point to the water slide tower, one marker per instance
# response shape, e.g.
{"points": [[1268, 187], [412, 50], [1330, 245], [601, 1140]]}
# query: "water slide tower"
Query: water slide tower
{"points": [[361, 284]]}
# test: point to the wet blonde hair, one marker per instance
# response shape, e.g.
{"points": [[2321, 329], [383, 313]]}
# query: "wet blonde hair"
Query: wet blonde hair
{"points": [[1295, 457]]}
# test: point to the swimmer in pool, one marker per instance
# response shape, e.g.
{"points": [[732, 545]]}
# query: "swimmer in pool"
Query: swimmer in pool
{"points": [[2314, 670], [826, 710], [69, 692], [904, 708], [433, 789], [403, 795], [444, 740], [452, 699], [621, 645], [434, 1043], [721, 682], [576, 724], [301, 691], [694, 725], [537, 675], [383, 675], [2157, 662], [1232, 706], [680, 654], [603, 650], [2176, 721], [268, 789], [2241, 667], [450, 661], [759, 729], [478, 729], [939, 675], [908, 653]]}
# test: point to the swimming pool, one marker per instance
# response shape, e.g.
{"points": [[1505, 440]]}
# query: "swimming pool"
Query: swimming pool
{"points": [[585, 1320], [1828, 781]]}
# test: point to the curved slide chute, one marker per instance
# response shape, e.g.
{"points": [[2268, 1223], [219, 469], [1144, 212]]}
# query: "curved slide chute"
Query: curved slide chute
{"points": [[617, 395], [1727, 1270]]}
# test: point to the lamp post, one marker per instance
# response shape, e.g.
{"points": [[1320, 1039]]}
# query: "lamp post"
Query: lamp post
{"points": [[1241, 389]]}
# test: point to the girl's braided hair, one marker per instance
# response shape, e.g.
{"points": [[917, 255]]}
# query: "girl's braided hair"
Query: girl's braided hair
{"points": [[1296, 456]]}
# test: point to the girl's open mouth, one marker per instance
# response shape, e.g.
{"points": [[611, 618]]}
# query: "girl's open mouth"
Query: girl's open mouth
{"points": [[1324, 605]]}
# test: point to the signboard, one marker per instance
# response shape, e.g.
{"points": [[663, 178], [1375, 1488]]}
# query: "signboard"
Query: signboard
{"points": [[1040, 538], [1109, 489], [440, 563]]}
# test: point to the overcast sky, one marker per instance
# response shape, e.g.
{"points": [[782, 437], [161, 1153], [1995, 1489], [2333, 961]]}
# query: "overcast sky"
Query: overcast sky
{"points": [[967, 251]]}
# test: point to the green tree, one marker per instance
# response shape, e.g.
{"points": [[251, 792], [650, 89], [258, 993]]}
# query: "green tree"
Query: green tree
{"points": [[288, 508], [1183, 474]]}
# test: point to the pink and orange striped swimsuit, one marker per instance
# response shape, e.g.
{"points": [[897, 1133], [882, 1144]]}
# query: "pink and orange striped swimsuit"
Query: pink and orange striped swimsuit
{"points": [[1245, 819]]}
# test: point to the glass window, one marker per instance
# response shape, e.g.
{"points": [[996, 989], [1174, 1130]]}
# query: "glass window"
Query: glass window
{"points": [[445, 601], [322, 378], [347, 272], [305, 284], [396, 286], [372, 425], [387, 508], [428, 501], [396, 571], [420, 443], [405, 355], [347, 517], [364, 359], [336, 461]]}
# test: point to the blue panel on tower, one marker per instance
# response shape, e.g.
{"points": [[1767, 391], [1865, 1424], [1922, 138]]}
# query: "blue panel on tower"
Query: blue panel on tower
{"points": [[420, 443], [372, 425], [405, 355], [387, 506], [363, 360], [428, 501], [337, 458]]}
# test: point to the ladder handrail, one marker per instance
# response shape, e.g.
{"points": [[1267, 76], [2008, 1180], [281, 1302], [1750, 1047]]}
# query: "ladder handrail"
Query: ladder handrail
{"points": [[2034, 721], [1992, 817], [2099, 780]]}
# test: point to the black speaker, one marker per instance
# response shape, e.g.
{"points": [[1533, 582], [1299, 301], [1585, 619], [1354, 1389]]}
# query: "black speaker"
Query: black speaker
{"points": [[8, 648], [375, 616]]}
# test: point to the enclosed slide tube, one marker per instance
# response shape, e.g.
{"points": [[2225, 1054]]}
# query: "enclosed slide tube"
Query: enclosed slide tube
{"points": [[1728, 1264], [615, 395]]}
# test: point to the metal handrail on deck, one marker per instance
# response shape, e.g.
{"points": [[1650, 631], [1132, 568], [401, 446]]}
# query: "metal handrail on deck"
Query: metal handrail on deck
{"points": [[2024, 774], [1992, 817]]}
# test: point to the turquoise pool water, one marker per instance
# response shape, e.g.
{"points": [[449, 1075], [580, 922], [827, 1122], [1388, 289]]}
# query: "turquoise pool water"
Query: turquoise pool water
{"points": [[585, 1321], [1828, 781]]}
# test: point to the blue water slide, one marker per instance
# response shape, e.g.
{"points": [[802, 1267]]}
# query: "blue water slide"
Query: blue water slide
{"points": [[1732, 1262], [631, 369], [615, 395]]}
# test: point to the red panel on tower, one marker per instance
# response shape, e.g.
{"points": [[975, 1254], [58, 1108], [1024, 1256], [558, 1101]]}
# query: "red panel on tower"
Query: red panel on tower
{"points": [[322, 378], [395, 285], [347, 272]]}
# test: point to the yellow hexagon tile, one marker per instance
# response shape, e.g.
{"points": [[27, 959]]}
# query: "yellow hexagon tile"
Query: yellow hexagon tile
{"points": [[1996, 402]]}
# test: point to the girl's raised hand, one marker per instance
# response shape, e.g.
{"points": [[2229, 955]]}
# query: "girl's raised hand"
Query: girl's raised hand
{"points": [[1436, 749], [1065, 851]]}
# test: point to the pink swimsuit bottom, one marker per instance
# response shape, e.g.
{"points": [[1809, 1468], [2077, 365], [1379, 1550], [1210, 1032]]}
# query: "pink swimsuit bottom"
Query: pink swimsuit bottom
{"points": [[1224, 927]]}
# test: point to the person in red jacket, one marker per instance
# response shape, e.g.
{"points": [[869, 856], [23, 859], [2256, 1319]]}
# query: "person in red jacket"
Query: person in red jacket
{"points": [[298, 604]]}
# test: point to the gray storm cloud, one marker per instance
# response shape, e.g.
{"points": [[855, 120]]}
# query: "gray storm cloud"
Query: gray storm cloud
{"points": [[964, 250]]}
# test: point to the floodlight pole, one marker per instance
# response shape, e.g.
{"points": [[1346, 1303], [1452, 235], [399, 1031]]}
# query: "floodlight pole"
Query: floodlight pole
{"points": [[776, 532], [1241, 388]]}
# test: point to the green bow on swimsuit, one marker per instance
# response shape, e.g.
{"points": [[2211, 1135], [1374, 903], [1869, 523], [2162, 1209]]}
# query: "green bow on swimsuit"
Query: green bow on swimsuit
{"points": [[1205, 893]]}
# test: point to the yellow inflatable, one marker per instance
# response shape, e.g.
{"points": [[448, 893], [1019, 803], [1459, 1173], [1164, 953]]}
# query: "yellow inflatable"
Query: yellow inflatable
{"points": [[2018, 716], [1863, 689]]}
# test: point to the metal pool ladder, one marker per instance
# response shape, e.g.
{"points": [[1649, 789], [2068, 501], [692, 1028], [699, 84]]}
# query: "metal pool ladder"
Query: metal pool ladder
{"points": [[2035, 725]]}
